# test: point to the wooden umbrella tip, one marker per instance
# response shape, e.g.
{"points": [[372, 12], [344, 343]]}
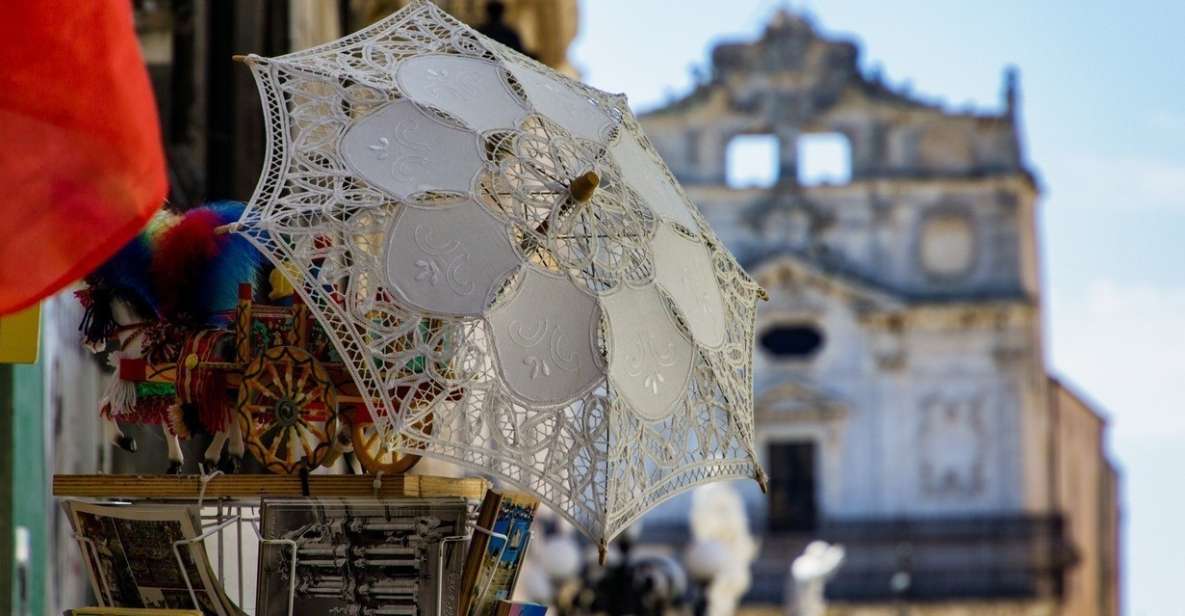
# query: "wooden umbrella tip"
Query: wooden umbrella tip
{"points": [[239, 57], [583, 186]]}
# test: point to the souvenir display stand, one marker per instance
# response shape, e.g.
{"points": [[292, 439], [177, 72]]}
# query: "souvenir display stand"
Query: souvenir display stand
{"points": [[229, 510], [452, 252]]}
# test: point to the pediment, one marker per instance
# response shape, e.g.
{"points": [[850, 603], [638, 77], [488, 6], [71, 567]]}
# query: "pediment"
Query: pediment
{"points": [[798, 401], [786, 276]]}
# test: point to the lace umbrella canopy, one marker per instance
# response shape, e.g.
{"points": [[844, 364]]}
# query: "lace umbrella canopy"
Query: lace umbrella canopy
{"points": [[515, 280]]}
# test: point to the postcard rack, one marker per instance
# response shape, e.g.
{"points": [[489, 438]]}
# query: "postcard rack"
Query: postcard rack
{"points": [[229, 505]]}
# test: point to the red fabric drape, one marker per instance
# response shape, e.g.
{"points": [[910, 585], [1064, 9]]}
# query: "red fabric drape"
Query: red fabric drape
{"points": [[81, 164]]}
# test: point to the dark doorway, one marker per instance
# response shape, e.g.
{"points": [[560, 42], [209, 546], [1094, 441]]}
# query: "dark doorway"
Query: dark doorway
{"points": [[791, 467]]}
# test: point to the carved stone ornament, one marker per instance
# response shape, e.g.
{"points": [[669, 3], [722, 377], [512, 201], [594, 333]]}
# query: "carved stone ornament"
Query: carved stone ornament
{"points": [[471, 226], [947, 244], [952, 442]]}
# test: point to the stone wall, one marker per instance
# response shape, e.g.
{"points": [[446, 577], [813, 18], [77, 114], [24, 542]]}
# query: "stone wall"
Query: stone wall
{"points": [[1084, 484]]}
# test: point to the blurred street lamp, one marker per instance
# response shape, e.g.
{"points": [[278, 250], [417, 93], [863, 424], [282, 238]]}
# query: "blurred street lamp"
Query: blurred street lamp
{"points": [[902, 580], [566, 573], [561, 557]]}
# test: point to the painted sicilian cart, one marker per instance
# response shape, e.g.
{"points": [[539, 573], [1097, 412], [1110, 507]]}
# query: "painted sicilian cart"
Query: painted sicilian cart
{"points": [[296, 400], [206, 337]]}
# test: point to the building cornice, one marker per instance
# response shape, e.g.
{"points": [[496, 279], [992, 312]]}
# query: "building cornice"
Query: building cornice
{"points": [[888, 185]]}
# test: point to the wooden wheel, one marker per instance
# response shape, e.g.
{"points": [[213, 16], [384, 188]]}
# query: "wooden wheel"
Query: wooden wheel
{"points": [[376, 454], [287, 408]]}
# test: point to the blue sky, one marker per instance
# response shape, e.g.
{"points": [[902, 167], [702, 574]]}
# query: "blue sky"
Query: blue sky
{"points": [[1103, 107]]}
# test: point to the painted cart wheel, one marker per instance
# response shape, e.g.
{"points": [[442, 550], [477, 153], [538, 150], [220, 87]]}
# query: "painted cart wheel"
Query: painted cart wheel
{"points": [[288, 409], [376, 454]]}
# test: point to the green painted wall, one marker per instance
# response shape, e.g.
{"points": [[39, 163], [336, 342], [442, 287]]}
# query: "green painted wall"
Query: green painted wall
{"points": [[24, 485]]}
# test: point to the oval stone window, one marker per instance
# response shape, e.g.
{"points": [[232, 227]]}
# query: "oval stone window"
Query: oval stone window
{"points": [[792, 341]]}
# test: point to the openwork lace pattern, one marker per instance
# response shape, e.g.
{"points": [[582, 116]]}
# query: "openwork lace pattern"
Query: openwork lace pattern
{"points": [[596, 352]]}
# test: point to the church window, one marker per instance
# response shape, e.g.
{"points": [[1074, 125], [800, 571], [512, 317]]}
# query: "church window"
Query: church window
{"points": [[824, 158], [692, 143], [751, 161], [792, 341]]}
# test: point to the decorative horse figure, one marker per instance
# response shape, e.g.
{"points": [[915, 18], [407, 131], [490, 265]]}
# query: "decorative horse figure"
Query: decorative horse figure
{"points": [[162, 299], [121, 306]]}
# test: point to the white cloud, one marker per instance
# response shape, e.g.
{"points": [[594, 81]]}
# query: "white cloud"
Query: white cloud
{"points": [[1167, 120], [1124, 345], [1119, 182]]}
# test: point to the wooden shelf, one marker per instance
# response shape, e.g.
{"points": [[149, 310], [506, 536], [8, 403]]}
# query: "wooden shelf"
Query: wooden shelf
{"points": [[247, 486]]}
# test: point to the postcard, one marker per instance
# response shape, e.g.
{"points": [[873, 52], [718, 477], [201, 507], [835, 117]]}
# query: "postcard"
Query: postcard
{"points": [[493, 563], [128, 552], [508, 608], [361, 557]]}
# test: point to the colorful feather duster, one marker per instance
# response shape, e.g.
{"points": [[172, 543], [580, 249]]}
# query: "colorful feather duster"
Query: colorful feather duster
{"points": [[157, 225], [126, 276], [198, 271]]}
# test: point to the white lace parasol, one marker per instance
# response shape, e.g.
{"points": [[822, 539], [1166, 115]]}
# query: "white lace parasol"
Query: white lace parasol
{"points": [[505, 263]]}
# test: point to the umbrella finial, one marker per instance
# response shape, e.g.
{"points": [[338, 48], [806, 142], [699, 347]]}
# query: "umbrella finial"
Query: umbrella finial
{"points": [[248, 58], [583, 186]]}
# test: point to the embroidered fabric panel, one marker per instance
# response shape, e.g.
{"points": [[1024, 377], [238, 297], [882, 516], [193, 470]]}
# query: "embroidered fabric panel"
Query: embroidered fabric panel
{"points": [[651, 179], [545, 339], [650, 358], [448, 259], [404, 151], [585, 350], [570, 108], [470, 89], [683, 268]]}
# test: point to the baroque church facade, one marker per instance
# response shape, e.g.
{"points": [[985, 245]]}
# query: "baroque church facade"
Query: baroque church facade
{"points": [[903, 403]]}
